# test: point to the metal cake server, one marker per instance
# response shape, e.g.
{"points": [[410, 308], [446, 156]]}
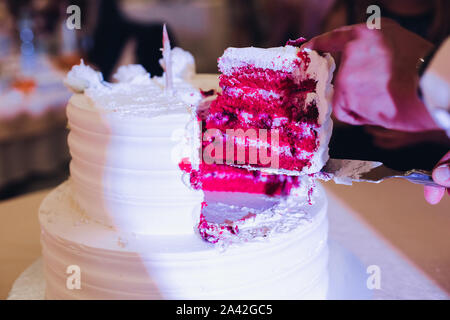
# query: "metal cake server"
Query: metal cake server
{"points": [[346, 171]]}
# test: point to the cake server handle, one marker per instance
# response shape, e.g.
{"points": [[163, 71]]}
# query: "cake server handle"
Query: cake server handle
{"points": [[420, 177]]}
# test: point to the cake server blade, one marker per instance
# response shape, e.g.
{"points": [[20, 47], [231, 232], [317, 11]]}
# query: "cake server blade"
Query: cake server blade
{"points": [[346, 171]]}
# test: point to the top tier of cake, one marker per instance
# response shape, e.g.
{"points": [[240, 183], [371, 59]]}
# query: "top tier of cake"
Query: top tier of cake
{"points": [[127, 140], [285, 91]]}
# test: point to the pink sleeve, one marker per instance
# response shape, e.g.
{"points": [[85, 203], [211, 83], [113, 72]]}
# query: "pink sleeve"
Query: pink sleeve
{"points": [[435, 86]]}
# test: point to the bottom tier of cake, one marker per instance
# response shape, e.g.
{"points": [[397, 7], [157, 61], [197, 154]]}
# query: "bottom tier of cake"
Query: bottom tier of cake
{"points": [[86, 260]]}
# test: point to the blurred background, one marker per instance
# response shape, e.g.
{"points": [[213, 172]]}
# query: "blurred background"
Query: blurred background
{"points": [[37, 49]]}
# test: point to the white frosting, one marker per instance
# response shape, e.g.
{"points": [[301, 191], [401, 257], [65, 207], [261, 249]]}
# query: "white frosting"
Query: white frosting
{"points": [[183, 72], [321, 69], [131, 73], [139, 100], [123, 265], [185, 90], [134, 95], [277, 58], [82, 77], [127, 140], [183, 64]]}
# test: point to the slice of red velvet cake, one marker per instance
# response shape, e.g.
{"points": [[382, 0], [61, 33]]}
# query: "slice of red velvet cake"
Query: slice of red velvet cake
{"points": [[274, 109], [221, 177]]}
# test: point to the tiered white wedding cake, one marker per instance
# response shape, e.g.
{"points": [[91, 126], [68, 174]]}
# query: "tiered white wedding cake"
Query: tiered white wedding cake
{"points": [[125, 225]]}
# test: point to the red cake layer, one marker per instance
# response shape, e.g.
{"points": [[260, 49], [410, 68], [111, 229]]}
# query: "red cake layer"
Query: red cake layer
{"points": [[255, 98], [293, 151], [252, 102], [266, 79], [296, 141], [212, 177], [232, 179], [296, 134]]}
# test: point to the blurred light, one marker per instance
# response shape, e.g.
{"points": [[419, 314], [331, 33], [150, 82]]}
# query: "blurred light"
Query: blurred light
{"points": [[26, 35], [27, 48]]}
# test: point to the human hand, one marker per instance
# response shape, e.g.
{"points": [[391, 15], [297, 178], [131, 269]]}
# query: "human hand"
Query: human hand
{"points": [[377, 80], [441, 175]]}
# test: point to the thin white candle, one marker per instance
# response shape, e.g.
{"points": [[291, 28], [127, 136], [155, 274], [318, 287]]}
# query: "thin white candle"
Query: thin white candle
{"points": [[167, 56]]}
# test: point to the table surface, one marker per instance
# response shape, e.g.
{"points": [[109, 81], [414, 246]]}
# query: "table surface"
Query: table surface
{"points": [[389, 225]]}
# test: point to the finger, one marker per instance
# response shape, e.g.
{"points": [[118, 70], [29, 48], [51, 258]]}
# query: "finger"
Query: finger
{"points": [[433, 194], [441, 175], [445, 159], [333, 41]]}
